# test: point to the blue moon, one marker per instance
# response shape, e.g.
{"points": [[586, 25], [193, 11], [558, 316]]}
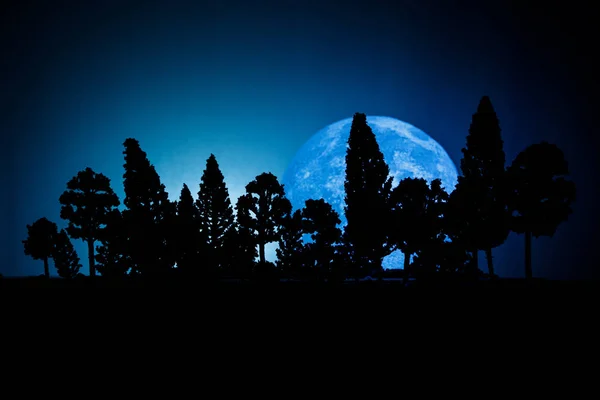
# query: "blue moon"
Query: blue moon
{"points": [[319, 167]]}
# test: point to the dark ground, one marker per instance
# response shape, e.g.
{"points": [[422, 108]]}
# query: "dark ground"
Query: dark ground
{"points": [[513, 307], [497, 285]]}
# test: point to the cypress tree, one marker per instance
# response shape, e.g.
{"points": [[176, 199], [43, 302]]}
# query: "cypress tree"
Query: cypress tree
{"points": [[367, 186], [148, 215], [483, 183]]}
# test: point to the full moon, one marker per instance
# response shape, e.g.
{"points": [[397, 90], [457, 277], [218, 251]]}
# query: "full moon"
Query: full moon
{"points": [[318, 169]]}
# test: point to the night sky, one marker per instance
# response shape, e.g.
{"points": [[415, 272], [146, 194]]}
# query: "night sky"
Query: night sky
{"points": [[251, 81]]}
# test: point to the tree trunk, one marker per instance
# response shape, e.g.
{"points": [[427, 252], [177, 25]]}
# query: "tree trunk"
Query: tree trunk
{"points": [[90, 243], [46, 268], [528, 270], [490, 262], [406, 267]]}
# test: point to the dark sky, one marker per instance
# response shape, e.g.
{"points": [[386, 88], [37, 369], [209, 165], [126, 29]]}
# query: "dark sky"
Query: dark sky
{"points": [[251, 81]]}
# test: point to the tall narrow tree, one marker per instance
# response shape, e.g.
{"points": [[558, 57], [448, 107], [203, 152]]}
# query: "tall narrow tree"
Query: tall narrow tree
{"points": [[215, 211], [149, 214], [40, 241], [240, 239], [266, 202], [367, 188], [85, 204], [188, 238], [483, 181], [65, 257], [540, 194]]}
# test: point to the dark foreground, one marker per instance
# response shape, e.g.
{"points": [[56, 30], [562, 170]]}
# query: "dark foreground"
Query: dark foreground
{"points": [[396, 285], [514, 303]]}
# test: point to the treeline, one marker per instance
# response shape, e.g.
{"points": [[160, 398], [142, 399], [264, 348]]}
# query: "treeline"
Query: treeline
{"points": [[203, 236]]}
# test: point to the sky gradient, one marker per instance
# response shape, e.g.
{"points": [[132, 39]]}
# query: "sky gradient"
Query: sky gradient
{"points": [[251, 81]]}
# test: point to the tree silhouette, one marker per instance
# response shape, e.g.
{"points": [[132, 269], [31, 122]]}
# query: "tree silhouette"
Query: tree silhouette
{"points": [[291, 247], [483, 182], [367, 187], [85, 204], [462, 223], [189, 242], [408, 207], [265, 200], [320, 221], [149, 214], [540, 195], [65, 257], [40, 241], [215, 211], [342, 265], [240, 240], [112, 256], [432, 251]]}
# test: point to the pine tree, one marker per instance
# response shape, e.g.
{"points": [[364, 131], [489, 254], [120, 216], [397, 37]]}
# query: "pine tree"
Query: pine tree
{"points": [[540, 194], [189, 241], [267, 206], [215, 211], [482, 184], [149, 214], [85, 204], [367, 188], [40, 241], [65, 257]]}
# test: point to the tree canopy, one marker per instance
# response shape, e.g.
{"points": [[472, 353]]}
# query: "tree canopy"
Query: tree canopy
{"points": [[40, 241], [86, 203]]}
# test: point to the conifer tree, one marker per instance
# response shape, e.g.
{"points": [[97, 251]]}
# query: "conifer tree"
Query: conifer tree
{"points": [[65, 257], [187, 232], [482, 184], [40, 241], [215, 211], [367, 186], [85, 205], [149, 214]]}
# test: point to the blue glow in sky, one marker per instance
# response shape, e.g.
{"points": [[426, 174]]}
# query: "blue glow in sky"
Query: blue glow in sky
{"points": [[252, 81]]}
